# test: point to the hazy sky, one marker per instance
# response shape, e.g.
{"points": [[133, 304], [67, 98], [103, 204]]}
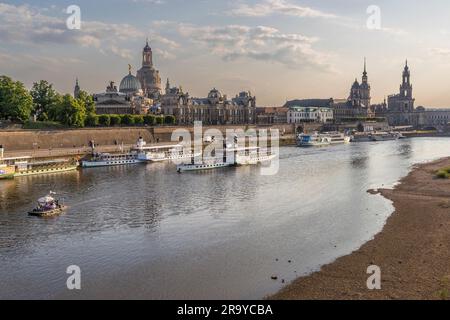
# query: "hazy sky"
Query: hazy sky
{"points": [[278, 49]]}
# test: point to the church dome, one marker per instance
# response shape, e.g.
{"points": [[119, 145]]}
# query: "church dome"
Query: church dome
{"points": [[355, 84], [130, 84]]}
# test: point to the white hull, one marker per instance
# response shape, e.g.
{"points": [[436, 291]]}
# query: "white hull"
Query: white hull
{"points": [[153, 158], [202, 166], [94, 164], [321, 140], [242, 161]]}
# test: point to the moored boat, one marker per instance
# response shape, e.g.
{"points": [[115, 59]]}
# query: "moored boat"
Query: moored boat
{"points": [[6, 171], [107, 159], [27, 166], [30, 168], [377, 136], [99, 159], [322, 139], [233, 157], [162, 153]]}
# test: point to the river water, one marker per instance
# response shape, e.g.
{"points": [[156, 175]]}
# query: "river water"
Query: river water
{"points": [[146, 232]]}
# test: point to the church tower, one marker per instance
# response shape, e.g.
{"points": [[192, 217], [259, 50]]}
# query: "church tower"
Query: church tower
{"points": [[365, 88], [355, 94], [167, 86], [76, 91], [406, 86], [147, 56], [148, 75]]}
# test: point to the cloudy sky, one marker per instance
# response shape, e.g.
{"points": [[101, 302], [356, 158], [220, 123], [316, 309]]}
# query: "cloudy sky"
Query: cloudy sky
{"points": [[278, 49]]}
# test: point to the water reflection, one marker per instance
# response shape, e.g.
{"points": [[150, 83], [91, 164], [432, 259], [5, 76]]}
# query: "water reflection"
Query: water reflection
{"points": [[149, 232]]}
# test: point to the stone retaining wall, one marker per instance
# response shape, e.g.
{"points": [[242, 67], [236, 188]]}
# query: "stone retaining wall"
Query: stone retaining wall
{"points": [[18, 140]]}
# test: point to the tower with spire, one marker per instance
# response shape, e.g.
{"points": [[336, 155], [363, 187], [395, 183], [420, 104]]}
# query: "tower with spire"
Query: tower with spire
{"points": [[77, 90], [401, 106], [148, 75], [167, 86], [360, 93], [365, 88], [406, 86]]}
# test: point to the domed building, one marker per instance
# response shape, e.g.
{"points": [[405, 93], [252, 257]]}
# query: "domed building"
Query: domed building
{"points": [[148, 76], [130, 84]]}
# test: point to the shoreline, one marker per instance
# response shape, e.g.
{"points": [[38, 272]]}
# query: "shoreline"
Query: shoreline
{"points": [[412, 250]]}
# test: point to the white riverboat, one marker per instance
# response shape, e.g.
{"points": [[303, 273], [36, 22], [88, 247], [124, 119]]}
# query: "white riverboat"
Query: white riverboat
{"points": [[240, 157], [322, 139], [107, 159], [377, 136], [162, 153], [386, 136]]}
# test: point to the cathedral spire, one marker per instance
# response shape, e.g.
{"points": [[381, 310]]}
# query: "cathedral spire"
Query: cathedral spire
{"points": [[76, 92], [365, 78], [167, 86]]}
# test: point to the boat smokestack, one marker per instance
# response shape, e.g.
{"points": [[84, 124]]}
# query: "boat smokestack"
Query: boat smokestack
{"points": [[1, 151]]}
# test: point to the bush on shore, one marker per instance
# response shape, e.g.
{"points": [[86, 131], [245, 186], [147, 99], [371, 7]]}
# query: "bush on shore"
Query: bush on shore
{"points": [[150, 120], [169, 119], [138, 120], [127, 119], [443, 173], [160, 120], [91, 120], [104, 120], [115, 120]]}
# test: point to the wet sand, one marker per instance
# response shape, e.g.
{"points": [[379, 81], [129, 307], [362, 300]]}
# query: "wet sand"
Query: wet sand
{"points": [[413, 250]]}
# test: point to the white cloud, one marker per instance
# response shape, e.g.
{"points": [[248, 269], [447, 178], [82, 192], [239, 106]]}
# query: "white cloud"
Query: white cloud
{"points": [[270, 7], [440, 52], [24, 24], [260, 43]]}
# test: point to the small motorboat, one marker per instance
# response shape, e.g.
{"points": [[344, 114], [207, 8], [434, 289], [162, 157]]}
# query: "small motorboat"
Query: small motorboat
{"points": [[48, 206]]}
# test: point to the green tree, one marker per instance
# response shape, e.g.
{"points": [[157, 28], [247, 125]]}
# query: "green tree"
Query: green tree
{"points": [[138, 120], [115, 120], [16, 102], [169, 119], [72, 113], [45, 98], [92, 120], [127, 119], [160, 120], [149, 120], [87, 101], [105, 120]]}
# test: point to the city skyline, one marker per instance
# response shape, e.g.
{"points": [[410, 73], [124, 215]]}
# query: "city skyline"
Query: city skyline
{"points": [[277, 49]]}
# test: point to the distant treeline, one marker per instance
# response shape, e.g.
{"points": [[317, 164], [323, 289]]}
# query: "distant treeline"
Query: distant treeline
{"points": [[51, 109]]}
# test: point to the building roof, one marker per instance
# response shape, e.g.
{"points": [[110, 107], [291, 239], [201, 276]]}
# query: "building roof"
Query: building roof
{"points": [[130, 84], [309, 109], [309, 103]]}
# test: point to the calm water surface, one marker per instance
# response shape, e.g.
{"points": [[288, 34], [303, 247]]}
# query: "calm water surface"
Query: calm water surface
{"points": [[147, 232]]}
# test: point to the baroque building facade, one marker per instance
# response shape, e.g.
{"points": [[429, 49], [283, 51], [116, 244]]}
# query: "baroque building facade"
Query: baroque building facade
{"points": [[310, 110], [358, 104], [215, 109], [142, 94], [128, 99], [400, 109]]}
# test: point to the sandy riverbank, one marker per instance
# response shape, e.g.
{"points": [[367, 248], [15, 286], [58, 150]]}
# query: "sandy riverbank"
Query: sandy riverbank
{"points": [[413, 250]]}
